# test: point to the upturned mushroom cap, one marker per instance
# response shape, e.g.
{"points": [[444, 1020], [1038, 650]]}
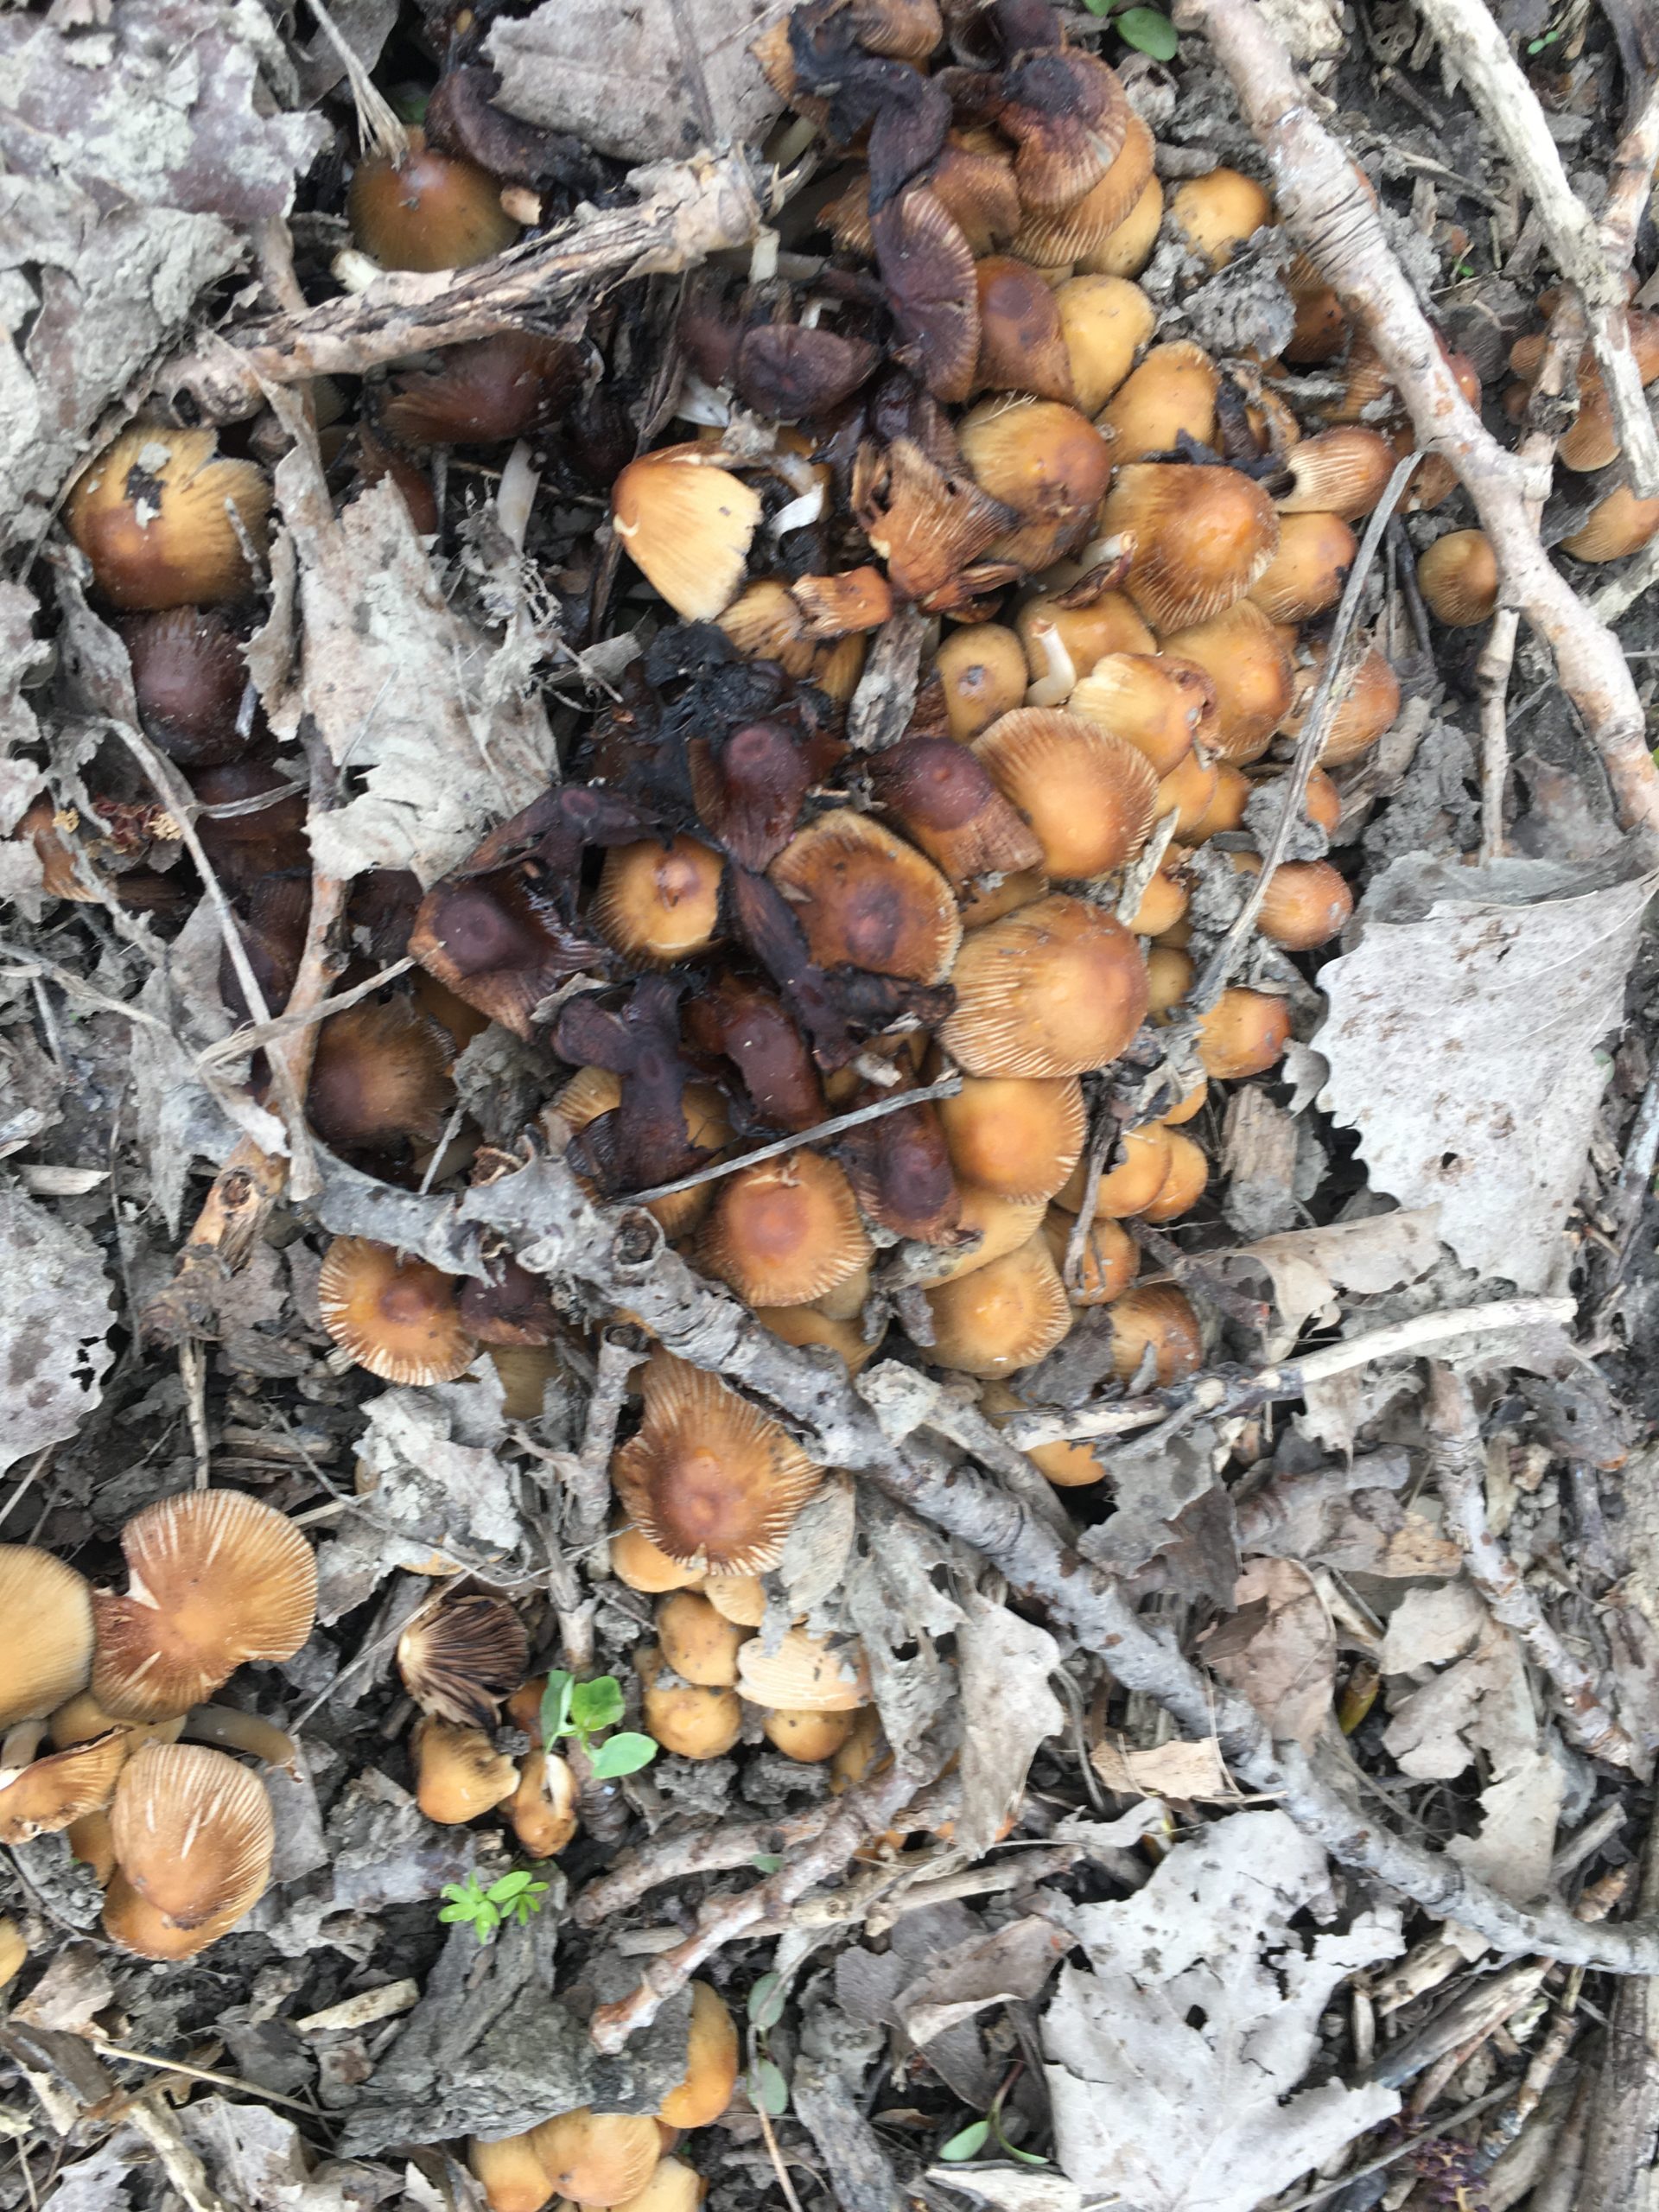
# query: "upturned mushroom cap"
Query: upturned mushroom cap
{"points": [[598, 2158], [1052, 239], [459, 1660], [1088, 795], [193, 1834], [868, 899], [1202, 538], [687, 526], [381, 1077], [47, 1655], [786, 1232], [53, 1792], [659, 903], [214, 1579], [1058, 988], [711, 2061], [806, 1674], [152, 515], [709, 1479], [398, 1318]]}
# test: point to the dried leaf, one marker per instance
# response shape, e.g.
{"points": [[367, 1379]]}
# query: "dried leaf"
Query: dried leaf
{"points": [[1178, 1769], [1519, 1814], [1173, 2064], [1461, 1040], [1482, 1701], [1308, 1266], [1280, 1648], [1013, 1963], [1007, 1709], [438, 728], [55, 1319], [652, 82]]}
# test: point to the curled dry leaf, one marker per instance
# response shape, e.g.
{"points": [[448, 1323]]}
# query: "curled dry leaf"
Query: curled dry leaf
{"points": [[1280, 1648], [1178, 1769], [1165, 2092], [1007, 1710]]}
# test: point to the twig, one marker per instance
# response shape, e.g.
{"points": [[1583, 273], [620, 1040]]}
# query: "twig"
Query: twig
{"points": [[861, 1813], [695, 208], [1624, 2112], [1327, 695], [1395, 2151], [674, 1856], [1459, 1461], [106, 2048], [1330, 208], [1214, 1393], [769, 2135], [544, 1216], [1471, 40], [947, 1087], [258, 1035], [590, 1481]]}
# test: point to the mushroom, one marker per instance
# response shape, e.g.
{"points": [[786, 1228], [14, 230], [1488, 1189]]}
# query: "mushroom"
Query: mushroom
{"points": [[1106, 1265], [484, 392], [1088, 795], [1245, 1033], [1171, 393], [1201, 536], [47, 1611], [1457, 578], [1048, 462], [785, 1232], [943, 797], [698, 1642], [866, 900], [427, 209], [598, 2158], [214, 1579], [1057, 988], [380, 1082], [458, 1772], [193, 1836], [711, 2061], [399, 1318], [1019, 1136], [687, 524], [459, 1659], [188, 677], [1160, 706], [805, 1674], [1155, 1319], [690, 1720], [165, 521], [1002, 1316], [659, 902]]}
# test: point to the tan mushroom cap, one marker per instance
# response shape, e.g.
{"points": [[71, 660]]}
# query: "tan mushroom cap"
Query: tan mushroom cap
{"points": [[193, 1834], [1058, 988], [398, 1318], [214, 1579], [47, 1651], [804, 1674], [868, 899], [784, 1233], [710, 1479], [598, 2158], [711, 2061], [459, 1774]]}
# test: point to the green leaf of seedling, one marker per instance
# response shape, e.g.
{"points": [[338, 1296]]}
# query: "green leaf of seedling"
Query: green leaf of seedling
{"points": [[767, 2002], [768, 2088], [508, 1886], [968, 2144], [1026, 2158], [623, 1754], [555, 1707], [766, 1862], [456, 1912], [1099, 7], [595, 1705], [1148, 31]]}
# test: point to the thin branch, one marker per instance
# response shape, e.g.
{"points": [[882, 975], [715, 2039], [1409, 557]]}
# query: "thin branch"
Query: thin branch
{"points": [[947, 1087], [1327, 696], [1330, 210], [674, 1855], [693, 208], [1472, 42], [1459, 1461], [590, 1483]]}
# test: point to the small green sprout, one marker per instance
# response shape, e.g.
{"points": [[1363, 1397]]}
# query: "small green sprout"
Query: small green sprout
{"points": [[582, 1710], [1148, 29], [517, 1896]]}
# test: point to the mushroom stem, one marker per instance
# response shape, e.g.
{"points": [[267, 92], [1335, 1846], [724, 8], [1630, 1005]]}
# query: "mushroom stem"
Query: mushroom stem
{"points": [[17, 1747], [233, 1730]]}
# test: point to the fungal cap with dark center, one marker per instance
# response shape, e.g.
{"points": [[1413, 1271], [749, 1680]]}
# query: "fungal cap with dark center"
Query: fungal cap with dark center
{"points": [[214, 1578], [52, 1792], [709, 1479], [47, 1611], [866, 899], [1202, 538], [193, 1834], [1021, 347], [188, 677], [462, 1658], [1091, 797], [1067, 112], [927, 274], [748, 789], [687, 526], [485, 391], [901, 1171], [1159, 705], [943, 797], [1058, 988], [398, 1318], [786, 1232], [152, 515], [659, 903], [430, 210], [1001, 1317], [380, 1078]]}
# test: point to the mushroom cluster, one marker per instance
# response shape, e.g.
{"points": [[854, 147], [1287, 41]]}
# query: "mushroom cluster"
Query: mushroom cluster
{"points": [[96, 1689]]}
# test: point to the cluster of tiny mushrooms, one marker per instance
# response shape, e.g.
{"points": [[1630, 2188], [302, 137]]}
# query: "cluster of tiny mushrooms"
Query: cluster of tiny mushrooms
{"points": [[1114, 546]]}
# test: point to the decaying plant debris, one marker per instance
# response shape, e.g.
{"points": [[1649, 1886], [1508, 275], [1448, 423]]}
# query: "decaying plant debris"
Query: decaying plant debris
{"points": [[828, 1107]]}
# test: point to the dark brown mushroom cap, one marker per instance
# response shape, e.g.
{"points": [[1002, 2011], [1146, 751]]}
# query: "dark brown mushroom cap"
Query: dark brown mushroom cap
{"points": [[459, 1660], [214, 1579]]}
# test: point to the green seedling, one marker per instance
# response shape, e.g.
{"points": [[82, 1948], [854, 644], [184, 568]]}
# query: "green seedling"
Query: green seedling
{"points": [[582, 1711], [517, 1896], [1148, 29], [766, 2083]]}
